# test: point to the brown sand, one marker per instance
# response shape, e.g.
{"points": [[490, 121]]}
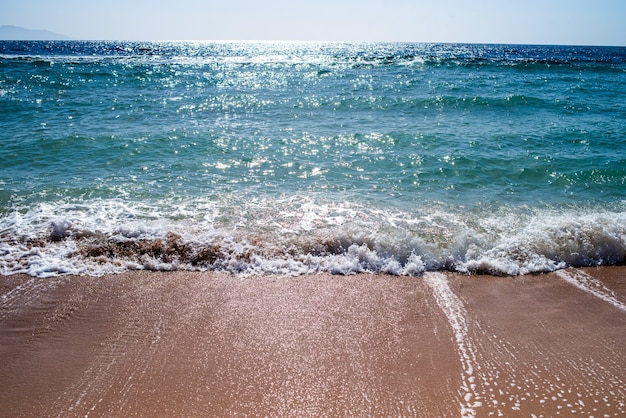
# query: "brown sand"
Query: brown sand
{"points": [[204, 344]]}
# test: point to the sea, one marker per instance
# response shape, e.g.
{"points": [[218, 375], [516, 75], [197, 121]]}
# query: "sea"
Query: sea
{"points": [[305, 157]]}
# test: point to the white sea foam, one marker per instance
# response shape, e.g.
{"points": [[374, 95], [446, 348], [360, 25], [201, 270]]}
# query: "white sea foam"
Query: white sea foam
{"points": [[295, 235], [549, 241], [591, 285], [456, 314]]}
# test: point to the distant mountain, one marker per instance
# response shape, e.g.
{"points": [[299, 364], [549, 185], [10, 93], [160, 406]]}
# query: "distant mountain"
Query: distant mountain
{"points": [[9, 32]]}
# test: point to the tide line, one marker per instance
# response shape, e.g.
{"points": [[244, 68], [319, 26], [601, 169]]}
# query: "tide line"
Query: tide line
{"points": [[589, 284], [456, 314]]}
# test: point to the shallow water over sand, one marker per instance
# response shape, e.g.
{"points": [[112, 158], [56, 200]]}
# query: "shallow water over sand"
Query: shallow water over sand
{"points": [[201, 344]]}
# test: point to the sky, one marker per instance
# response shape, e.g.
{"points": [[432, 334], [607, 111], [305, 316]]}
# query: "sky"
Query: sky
{"points": [[566, 22]]}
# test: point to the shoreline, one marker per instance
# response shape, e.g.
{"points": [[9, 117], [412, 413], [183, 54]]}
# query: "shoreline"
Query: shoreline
{"points": [[211, 344]]}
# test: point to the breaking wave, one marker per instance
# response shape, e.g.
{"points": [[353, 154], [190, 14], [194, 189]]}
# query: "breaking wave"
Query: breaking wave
{"points": [[299, 235]]}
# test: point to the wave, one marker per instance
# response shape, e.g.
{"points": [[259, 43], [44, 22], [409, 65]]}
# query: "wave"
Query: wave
{"points": [[299, 235], [407, 104], [354, 54]]}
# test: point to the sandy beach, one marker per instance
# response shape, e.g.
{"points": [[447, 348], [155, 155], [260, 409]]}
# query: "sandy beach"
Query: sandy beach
{"points": [[204, 344]]}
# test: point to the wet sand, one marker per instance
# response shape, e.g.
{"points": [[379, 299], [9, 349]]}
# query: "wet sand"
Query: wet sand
{"points": [[204, 344]]}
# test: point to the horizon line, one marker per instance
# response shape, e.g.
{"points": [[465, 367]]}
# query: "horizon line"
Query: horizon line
{"points": [[70, 39]]}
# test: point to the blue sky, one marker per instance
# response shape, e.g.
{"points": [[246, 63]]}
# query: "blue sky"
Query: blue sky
{"points": [[580, 22]]}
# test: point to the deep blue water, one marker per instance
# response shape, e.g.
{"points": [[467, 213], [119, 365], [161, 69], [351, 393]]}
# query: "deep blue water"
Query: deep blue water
{"points": [[304, 157]]}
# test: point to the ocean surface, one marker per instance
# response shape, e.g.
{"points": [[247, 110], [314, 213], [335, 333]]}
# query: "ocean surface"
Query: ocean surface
{"points": [[295, 158]]}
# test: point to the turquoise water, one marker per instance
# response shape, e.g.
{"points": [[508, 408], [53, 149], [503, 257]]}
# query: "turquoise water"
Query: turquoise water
{"points": [[305, 157]]}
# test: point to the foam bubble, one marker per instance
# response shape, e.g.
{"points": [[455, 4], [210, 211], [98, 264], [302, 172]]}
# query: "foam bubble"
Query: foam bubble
{"points": [[296, 235], [549, 241]]}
